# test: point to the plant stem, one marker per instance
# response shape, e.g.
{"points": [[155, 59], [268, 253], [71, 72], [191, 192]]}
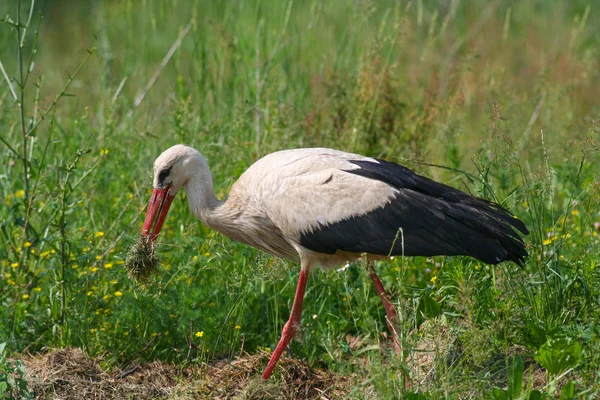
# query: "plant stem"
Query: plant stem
{"points": [[22, 109]]}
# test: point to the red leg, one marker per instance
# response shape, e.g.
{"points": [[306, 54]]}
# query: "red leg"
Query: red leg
{"points": [[392, 316], [290, 327]]}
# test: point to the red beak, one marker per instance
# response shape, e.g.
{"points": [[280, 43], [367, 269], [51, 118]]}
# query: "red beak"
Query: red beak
{"points": [[158, 207]]}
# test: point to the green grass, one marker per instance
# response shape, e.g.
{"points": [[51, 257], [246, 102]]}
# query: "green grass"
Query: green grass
{"points": [[503, 93]]}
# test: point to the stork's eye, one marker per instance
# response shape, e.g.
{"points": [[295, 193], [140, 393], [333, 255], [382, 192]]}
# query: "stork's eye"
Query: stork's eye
{"points": [[163, 175]]}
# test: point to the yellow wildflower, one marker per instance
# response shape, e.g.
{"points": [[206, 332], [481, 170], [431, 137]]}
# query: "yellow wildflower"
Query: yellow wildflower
{"points": [[37, 289], [207, 254], [200, 334], [547, 242], [14, 265], [19, 194], [93, 330], [9, 199], [10, 282], [575, 213], [237, 327], [108, 265], [103, 152], [99, 234], [114, 281], [118, 294], [25, 296], [98, 257], [93, 269], [44, 254], [85, 249], [74, 266], [90, 293], [106, 297], [27, 244], [433, 279], [119, 262]]}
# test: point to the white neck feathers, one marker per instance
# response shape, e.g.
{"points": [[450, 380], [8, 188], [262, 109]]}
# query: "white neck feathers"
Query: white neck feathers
{"points": [[201, 195]]}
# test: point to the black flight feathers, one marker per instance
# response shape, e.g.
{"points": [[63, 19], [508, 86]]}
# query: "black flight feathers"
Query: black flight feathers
{"points": [[425, 218]]}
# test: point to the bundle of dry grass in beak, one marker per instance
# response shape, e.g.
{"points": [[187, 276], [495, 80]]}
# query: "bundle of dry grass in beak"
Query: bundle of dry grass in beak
{"points": [[141, 261]]}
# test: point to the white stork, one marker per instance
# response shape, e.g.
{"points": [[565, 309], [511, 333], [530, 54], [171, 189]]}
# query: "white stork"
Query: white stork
{"points": [[326, 207]]}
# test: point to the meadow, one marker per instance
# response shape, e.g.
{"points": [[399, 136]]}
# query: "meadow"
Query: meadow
{"points": [[499, 99]]}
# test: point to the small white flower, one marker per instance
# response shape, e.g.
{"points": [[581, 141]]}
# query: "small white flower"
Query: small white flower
{"points": [[345, 267], [314, 316]]}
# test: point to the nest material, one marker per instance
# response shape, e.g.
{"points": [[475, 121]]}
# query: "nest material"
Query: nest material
{"points": [[69, 374], [142, 261]]}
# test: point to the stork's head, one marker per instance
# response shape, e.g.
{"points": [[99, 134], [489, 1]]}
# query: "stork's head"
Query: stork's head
{"points": [[172, 170]]}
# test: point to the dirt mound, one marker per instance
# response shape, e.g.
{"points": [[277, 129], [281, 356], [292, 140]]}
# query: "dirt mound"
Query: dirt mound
{"points": [[297, 380], [70, 374]]}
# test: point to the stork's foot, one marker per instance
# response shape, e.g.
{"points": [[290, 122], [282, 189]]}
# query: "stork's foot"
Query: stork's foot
{"points": [[290, 327], [392, 316]]}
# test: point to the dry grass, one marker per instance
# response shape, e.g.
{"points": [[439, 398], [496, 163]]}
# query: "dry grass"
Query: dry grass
{"points": [[70, 374], [142, 261]]}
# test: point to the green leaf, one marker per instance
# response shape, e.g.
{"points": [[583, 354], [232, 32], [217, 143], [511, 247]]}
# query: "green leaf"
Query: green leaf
{"points": [[568, 391], [558, 355], [499, 394], [535, 395], [515, 379]]}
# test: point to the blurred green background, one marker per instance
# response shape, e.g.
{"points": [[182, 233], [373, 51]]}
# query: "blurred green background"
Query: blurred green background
{"points": [[504, 93]]}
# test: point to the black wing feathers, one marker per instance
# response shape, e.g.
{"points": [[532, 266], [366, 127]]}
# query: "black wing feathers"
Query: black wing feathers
{"points": [[425, 218]]}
